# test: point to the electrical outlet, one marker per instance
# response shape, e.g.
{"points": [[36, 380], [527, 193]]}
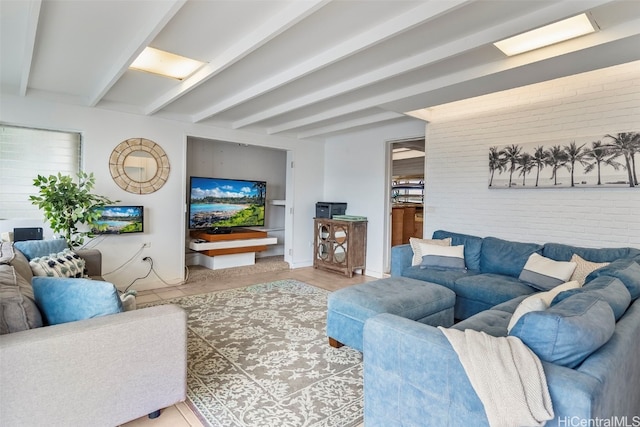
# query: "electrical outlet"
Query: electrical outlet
{"points": [[146, 245]]}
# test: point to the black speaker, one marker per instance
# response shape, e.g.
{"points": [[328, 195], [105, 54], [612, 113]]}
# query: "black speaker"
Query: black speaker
{"points": [[21, 234]]}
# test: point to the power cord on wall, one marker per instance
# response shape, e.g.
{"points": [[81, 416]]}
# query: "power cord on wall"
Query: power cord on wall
{"points": [[148, 259], [94, 242], [152, 269], [124, 264]]}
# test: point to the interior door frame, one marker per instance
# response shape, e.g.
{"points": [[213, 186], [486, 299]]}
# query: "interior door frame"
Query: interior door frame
{"points": [[386, 253]]}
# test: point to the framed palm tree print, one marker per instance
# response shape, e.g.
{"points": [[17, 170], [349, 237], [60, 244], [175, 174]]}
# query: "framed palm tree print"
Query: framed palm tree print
{"points": [[602, 161]]}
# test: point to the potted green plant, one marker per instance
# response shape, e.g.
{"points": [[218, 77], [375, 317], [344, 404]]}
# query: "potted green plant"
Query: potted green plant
{"points": [[68, 204]]}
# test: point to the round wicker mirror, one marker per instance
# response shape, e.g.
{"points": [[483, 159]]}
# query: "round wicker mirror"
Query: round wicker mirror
{"points": [[139, 166]]}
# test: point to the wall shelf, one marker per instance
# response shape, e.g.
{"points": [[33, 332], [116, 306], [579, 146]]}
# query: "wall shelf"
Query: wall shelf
{"points": [[407, 190]]}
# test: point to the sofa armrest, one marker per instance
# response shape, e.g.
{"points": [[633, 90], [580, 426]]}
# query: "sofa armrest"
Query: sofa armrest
{"points": [[412, 374], [401, 256], [103, 371], [93, 260], [415, 364]]}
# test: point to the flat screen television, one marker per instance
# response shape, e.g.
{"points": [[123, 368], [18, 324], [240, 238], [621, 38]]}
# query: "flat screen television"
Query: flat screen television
{"points": [[219, 204], [119, 220]]}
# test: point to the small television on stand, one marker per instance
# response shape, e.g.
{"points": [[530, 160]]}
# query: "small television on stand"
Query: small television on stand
{"points": [[220, 205]]}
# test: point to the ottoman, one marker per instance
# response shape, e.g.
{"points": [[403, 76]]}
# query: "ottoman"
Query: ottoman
{"points": [[349, 308]]}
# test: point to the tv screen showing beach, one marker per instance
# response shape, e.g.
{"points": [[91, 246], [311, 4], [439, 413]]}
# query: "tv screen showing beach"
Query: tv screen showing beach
{"points": [[119, 220], [217, 202]]}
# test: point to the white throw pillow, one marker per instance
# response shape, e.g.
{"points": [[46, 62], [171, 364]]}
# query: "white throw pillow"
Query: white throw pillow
{"points": [[416, 245], [443, 257], [539, 302], [545, 273], [584, 268]]}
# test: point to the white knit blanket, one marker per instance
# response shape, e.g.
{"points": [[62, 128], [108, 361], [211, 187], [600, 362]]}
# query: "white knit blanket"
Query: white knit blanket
{"points": [[506, 375]]}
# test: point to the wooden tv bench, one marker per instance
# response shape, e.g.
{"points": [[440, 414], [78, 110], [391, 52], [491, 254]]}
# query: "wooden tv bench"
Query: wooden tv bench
{"points": [[233, 249]]}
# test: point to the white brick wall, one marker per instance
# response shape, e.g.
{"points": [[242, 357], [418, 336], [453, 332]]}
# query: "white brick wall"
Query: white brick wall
{"points": [[459, 136]]}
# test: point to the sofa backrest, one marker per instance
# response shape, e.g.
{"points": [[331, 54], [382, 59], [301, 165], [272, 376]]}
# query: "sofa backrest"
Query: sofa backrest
{"points": [[472, 246], [560, 252], [505, 257]]}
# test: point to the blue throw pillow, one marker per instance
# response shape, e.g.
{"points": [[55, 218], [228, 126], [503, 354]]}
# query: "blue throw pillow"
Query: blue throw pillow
{"points": [[64, 300], [606, 288], [568, 332], [39, 248], [627, 270]]}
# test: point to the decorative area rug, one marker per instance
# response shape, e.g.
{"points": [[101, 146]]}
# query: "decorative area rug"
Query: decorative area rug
{"points": [[259, 356]]}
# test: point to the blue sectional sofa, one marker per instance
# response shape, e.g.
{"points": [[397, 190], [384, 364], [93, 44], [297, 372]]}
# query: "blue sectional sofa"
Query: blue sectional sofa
{"points": [[588, 339]]}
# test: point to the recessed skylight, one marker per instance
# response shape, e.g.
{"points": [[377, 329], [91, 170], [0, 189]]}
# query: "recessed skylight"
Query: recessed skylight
{"points": [[557, 32], [165, 64]]}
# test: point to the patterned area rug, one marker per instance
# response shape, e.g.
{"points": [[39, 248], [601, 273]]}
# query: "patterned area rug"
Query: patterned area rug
{"points": [[259, 356]]}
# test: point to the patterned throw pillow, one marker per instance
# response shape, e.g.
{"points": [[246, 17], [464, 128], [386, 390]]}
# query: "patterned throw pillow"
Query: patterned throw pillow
{"points": [[584, 268], [63, 264], [417, 245]]}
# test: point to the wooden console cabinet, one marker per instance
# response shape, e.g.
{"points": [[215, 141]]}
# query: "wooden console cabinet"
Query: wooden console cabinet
{"points": [[339, 245], [235, 249], [250, 239]]}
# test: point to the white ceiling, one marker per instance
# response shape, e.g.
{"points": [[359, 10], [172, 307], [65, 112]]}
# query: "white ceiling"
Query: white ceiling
{"points": [[301, 68]]}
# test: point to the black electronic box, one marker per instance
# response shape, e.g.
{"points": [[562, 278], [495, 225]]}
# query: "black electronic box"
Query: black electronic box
{"points": [[329, 209]]}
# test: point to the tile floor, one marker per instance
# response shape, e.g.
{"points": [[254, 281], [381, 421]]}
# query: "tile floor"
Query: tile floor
{"points": [[180, 415]]}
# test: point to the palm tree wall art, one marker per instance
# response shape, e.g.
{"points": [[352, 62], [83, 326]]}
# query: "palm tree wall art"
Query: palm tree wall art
{"points": [[605, 161]]}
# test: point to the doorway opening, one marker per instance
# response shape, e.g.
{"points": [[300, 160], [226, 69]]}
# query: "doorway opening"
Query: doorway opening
{"points": [[406, 201]]}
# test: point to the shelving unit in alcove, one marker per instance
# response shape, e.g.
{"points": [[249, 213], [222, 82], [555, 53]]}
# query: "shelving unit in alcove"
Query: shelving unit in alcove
{"points": [[407, 197], [276, 231], [225, 159]]}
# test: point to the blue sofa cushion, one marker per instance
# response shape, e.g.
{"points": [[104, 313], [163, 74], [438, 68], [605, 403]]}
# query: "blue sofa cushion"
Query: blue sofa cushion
{"points": [[539, 301], [63, 300], [627, 270], [445, 278], [472, 246], [511, 305], [568, 332], [504, 257], [491, 288], [492, 322], [606, 288], [561, 252], [39, 248]]}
